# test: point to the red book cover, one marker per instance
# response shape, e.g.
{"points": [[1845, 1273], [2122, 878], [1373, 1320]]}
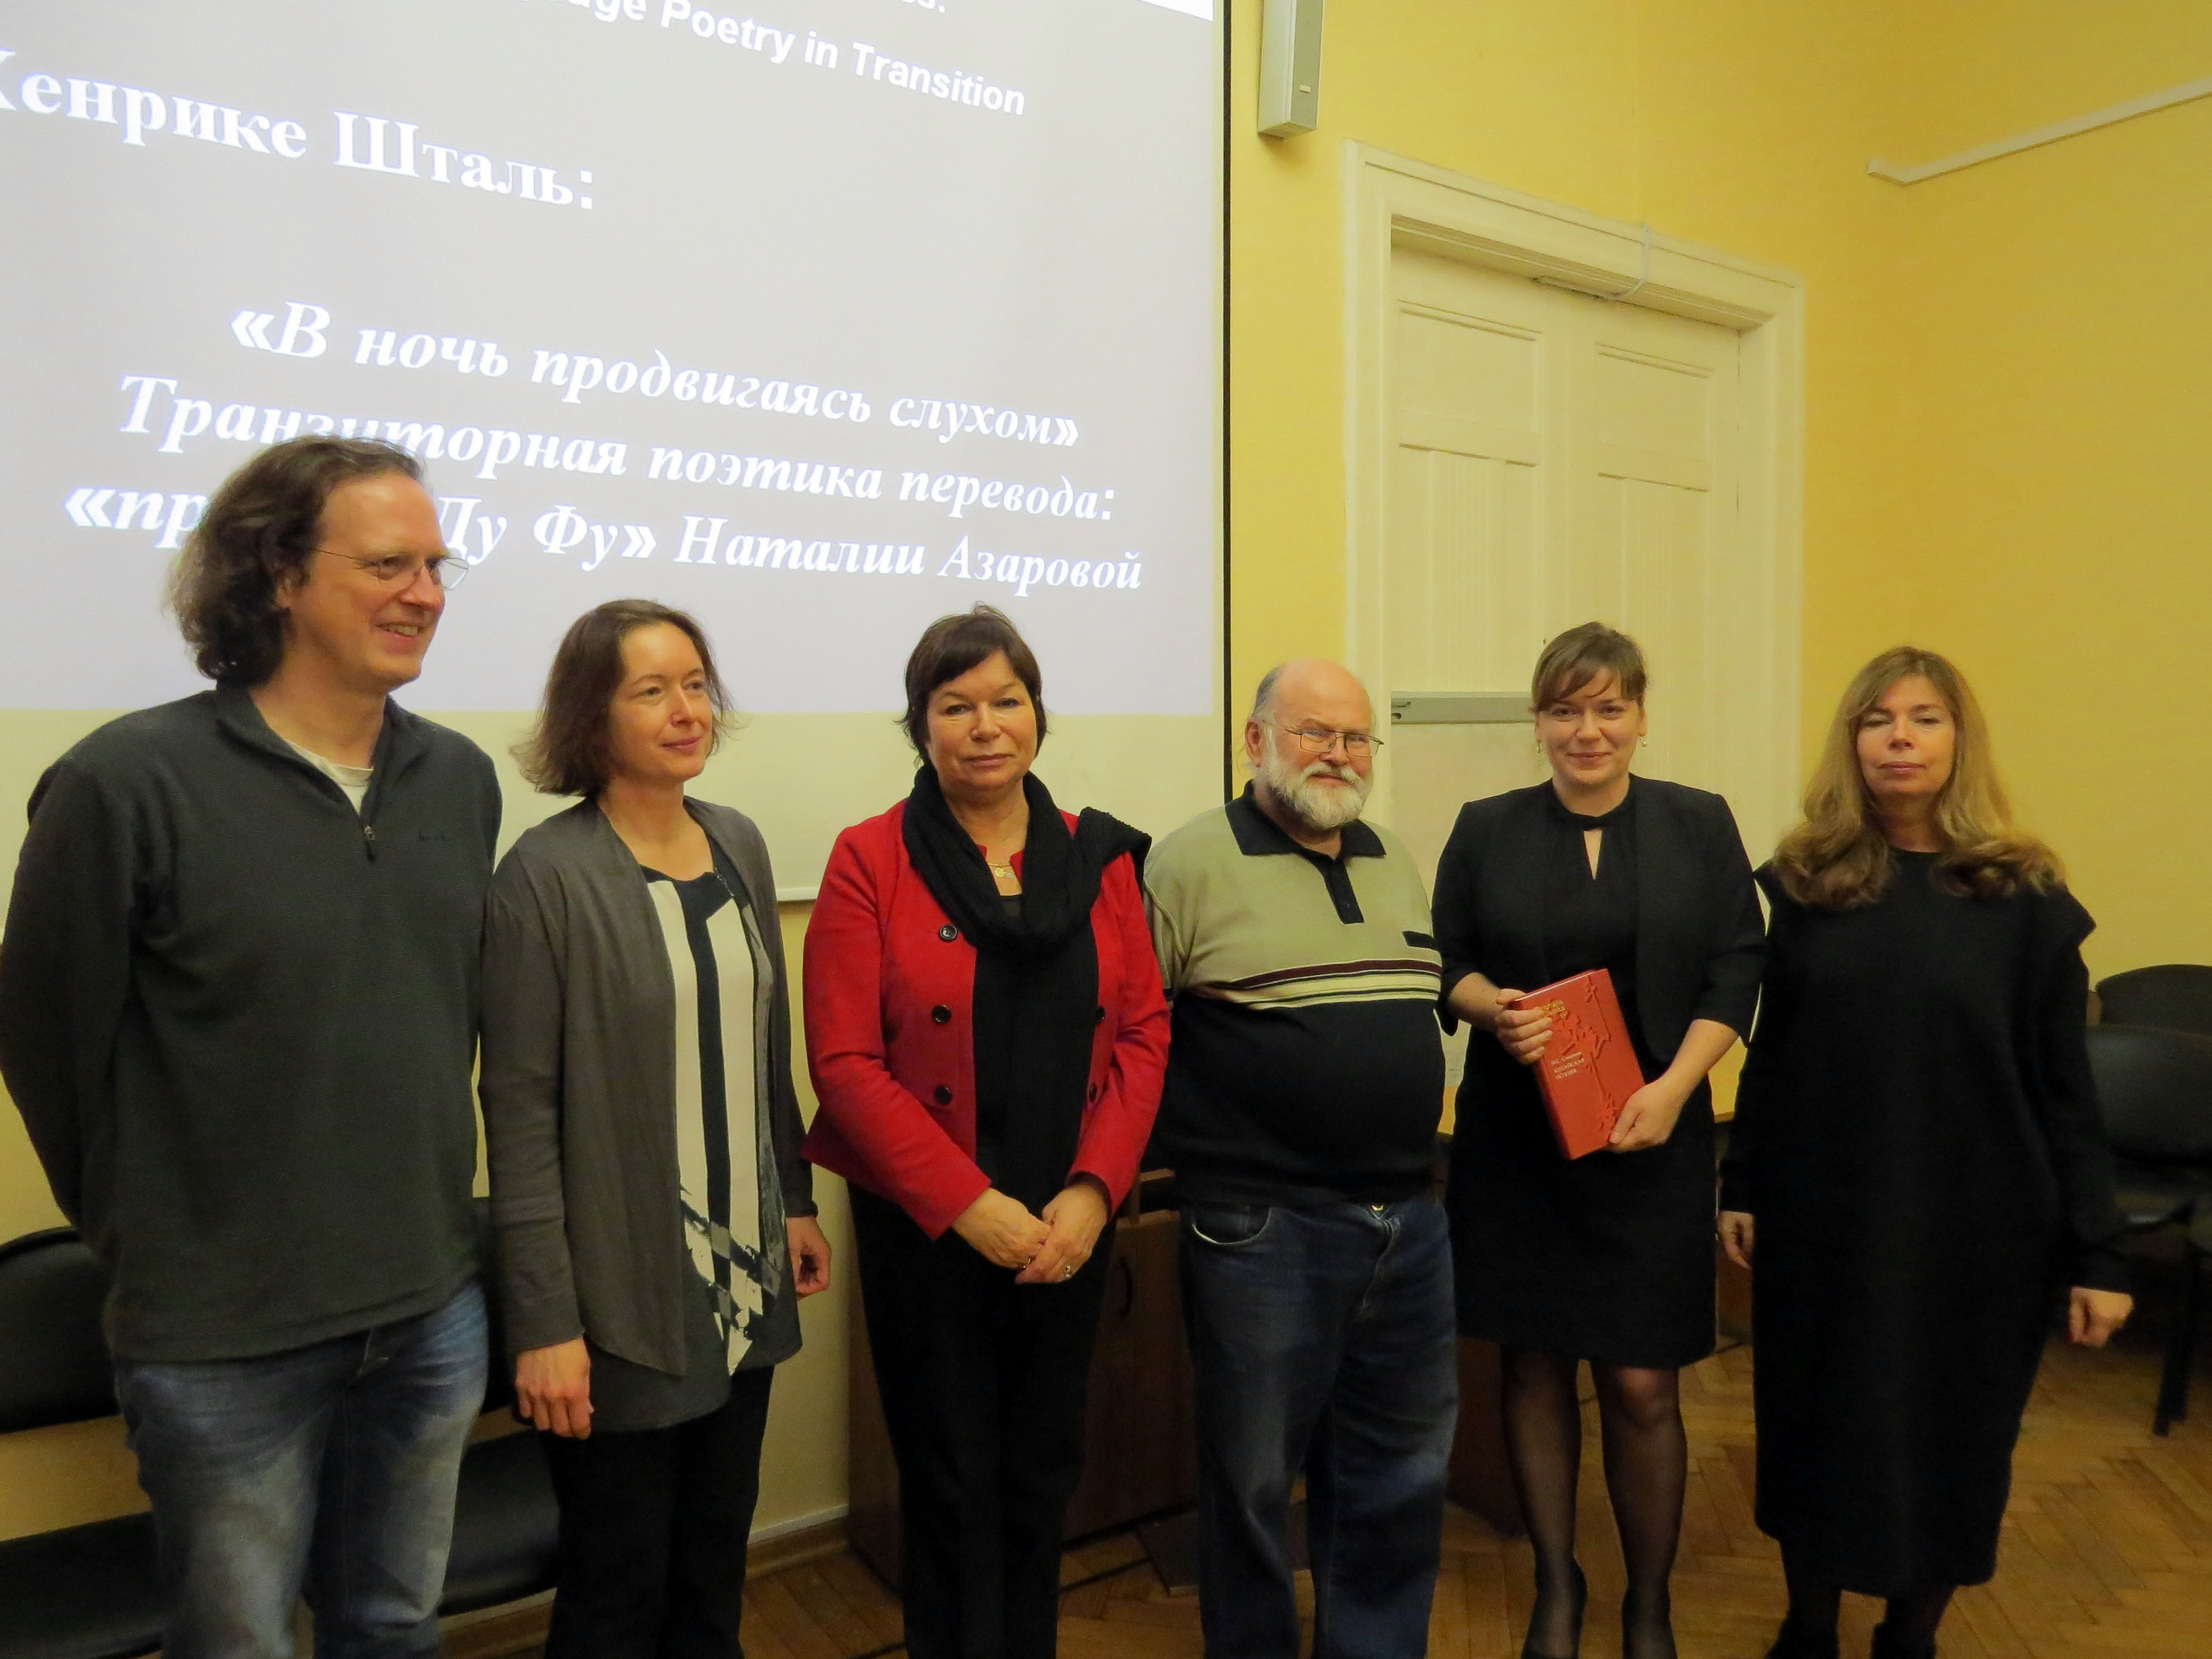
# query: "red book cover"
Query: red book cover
{"points": [[1587, 1069]]}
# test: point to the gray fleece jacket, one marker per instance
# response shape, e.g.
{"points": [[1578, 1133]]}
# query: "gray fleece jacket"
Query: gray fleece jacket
{"points": [[238, 1018]]}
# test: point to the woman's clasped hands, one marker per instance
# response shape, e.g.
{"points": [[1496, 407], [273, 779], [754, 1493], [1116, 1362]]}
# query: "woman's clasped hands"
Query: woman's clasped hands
{"points": [[1044, 1249]]}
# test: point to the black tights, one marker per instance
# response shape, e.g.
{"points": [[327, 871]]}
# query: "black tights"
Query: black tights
{"points": [[1912, 1617], [1647, 1463]]}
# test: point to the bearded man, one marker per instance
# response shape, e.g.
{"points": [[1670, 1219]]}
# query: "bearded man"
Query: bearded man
{"points": [[1304, 1084]]}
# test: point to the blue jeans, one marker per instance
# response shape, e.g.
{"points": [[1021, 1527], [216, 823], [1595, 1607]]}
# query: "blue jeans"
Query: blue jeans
{"points": [[1323, 1341], [329, 1467]]}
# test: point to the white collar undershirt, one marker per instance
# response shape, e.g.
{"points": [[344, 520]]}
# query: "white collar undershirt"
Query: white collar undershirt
{"points": [[354, 780]]}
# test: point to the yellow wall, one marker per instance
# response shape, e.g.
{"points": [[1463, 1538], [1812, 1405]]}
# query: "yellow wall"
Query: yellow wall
{"points": [[2051, 502], [2004, 374], [2006, 368], [1744, 126]]}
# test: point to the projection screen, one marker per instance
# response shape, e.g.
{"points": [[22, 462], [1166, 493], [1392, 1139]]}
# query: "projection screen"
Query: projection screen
{"points": [[819, 319]]}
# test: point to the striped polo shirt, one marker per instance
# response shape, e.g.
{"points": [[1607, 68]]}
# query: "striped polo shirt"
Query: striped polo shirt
{"points": [[1307, 1066]]}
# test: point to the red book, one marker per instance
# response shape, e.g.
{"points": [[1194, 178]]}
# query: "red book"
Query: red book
{"points": [[1587, 1069]]}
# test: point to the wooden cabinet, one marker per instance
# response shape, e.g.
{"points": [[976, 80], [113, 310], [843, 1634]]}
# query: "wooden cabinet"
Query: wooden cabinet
{"points": [[1479, 1476], [1141, 1447], [1140, 1453]]}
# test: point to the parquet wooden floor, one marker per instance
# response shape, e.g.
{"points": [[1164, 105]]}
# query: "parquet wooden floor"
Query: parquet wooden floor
{"points": [[2108, 1549]]}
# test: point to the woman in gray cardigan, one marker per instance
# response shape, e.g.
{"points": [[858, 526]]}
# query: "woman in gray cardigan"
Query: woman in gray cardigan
{"points": [[656, 1223]]}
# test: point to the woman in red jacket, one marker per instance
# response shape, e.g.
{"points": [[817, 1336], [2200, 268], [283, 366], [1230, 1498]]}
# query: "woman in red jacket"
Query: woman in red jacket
{"points": [[987, 1035]]}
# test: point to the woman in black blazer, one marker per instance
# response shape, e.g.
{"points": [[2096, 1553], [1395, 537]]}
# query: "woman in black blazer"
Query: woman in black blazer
{"points": [[1608, 1258]]}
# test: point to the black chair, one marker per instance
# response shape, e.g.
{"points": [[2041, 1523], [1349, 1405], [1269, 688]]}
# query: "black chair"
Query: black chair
{"points": [[2200, 1254], [2156, 1090], [2156, 1093], [90, 1592], [2176, 996], [81, 1592]]}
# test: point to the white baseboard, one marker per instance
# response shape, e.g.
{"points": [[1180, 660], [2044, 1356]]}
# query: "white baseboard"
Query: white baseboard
{"points": [[790, 1524]]}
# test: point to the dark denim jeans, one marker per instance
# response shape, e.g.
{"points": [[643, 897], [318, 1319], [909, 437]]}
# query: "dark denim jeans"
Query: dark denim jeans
{"points": [[1322, 1340], [331, 1468]]}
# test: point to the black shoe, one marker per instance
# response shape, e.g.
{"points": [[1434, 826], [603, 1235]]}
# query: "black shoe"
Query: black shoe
{"points": [[1529, 1648], [1797, 1640], [1889, 1645]]}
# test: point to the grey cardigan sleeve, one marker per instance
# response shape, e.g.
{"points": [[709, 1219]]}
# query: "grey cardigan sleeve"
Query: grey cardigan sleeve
{"points": [[520, 1084], [796, 1174]]}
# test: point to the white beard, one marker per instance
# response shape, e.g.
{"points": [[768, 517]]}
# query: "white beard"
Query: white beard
{"points": [[1320, 810]]}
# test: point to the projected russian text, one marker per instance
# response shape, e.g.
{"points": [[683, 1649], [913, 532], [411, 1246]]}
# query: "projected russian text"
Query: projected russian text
{"points": [[820, 320]]}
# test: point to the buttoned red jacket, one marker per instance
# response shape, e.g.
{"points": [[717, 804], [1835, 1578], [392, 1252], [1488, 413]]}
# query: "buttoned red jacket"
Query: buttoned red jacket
{"points": [[890, 1033]]}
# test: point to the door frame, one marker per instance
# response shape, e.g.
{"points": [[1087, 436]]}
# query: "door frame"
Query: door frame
{"points": [[1393, 201]]}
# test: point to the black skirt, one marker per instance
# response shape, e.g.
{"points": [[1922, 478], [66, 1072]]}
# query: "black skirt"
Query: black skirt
{"points": [[1608, 1257]]}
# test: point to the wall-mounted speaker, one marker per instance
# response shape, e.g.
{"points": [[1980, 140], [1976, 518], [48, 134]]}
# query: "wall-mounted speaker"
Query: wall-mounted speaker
{"points": [[1290, 67]]}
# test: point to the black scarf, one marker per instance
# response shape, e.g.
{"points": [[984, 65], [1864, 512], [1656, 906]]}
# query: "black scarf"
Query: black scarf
{"points": [[1036, 975]]}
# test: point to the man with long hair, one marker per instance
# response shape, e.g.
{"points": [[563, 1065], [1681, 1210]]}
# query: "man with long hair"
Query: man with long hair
{"points": [[238, 1012]]}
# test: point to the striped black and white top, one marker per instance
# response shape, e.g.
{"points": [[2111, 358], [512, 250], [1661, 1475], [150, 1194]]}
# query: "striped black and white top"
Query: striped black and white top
{"points": [[726, 1171]]}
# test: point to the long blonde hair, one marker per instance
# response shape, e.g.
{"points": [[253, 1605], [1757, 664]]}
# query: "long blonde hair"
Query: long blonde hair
{"points": [[1838, 859]]}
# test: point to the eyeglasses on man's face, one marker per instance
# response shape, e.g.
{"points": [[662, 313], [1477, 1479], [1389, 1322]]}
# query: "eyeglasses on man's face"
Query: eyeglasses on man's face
{"points": [[1319, 740], [398, 570]]}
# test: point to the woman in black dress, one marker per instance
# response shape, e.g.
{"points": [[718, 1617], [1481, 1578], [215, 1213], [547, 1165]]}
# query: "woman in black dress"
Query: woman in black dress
{"points": [[1918, 1137], [1607, 1258]]}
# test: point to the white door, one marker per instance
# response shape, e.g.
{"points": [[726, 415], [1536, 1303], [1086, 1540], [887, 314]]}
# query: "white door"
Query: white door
{"points": [[1558, 459]]}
